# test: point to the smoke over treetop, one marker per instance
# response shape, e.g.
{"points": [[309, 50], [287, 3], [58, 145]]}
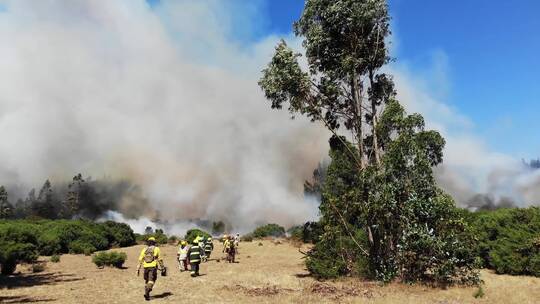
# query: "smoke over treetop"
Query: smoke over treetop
{"points": [[103, 88]]}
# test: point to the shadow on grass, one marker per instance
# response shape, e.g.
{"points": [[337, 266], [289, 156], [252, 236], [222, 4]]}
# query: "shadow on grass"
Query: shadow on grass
{"points": [[162, 295], [22, 299], [303, 275], [36, 279]]}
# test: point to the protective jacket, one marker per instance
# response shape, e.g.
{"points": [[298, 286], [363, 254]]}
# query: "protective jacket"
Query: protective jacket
{"points": [[194, 253], [183, 252], [150, 256], [209, 246]]}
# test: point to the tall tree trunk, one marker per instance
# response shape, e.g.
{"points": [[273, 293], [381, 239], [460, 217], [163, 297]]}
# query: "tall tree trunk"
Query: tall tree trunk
{"points": [[376, 151], [357, 97]]}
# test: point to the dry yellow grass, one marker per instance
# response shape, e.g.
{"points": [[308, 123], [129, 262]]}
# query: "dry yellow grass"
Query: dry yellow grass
{"points": [[265, 274]]}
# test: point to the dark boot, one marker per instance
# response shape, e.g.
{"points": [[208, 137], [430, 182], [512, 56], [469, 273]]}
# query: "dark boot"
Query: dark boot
{"points": [[147, 293]]}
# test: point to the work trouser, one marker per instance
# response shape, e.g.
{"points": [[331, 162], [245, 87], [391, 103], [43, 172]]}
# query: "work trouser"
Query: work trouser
{"points": [[231, 253], [183, 264], [150, 277], [194, 268]]}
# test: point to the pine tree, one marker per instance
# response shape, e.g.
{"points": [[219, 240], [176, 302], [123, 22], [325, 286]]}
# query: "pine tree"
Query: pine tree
{"points": [[6, 209], [72, 201]]}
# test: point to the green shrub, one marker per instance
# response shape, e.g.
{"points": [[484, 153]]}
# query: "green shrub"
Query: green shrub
{"points": [[17, 245], [112, 258], [533, 266], [55, 258], [49, 243], [38, 267], [191, 234], [479, 293], [59, 235], [81, 247], [159, 236], [329, 258], [508, 240], [273, 230], [140, 238], [21, 241], [119, 234], [295, 232], [310, 232], [173, 239]]}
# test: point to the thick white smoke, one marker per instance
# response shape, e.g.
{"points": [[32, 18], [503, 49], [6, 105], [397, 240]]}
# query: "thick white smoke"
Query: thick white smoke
{"points": [[474, 174], [114, 88]]}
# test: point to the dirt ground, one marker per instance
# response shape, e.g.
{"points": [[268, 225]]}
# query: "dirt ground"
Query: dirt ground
{"points": [[265, 273]]}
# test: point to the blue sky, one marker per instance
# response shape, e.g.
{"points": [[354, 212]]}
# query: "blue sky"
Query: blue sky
{"points": [[493, 68], [490, 49]]}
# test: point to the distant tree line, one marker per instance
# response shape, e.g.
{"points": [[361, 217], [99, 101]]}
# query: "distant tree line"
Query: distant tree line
{"points": [[80, 198]]}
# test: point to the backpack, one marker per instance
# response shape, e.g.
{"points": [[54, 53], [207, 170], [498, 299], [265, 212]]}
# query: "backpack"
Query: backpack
{"points": [[149, 254]]}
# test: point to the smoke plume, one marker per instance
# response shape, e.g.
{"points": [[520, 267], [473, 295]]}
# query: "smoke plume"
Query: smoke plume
{"points": [[162, 97]]}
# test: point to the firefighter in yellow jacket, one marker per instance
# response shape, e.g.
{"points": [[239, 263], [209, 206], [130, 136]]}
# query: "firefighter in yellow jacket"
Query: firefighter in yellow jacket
{"points": [[150, 259]]}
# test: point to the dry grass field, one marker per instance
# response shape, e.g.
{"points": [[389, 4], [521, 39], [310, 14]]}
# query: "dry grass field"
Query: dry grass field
{"points": [[265, 274]]}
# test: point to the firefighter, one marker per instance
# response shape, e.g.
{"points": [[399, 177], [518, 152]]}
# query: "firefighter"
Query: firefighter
{"points": [[182, 256], [208, 247], [236, 242], [226, 245], [150, 259], [231, 250], [202, 243], [195, 254]]}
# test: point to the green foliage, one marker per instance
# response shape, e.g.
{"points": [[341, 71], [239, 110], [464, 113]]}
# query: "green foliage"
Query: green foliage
{"points": [[81, 247], [479, 293], [295, 232], [509, 240], [119, 234], [55, 258], [38, 267], [310, 232], [17, 245], [161, 238], [191, 234], [173, 239], [65, 236], [111, 258], [22, 241], [269, 230], [336, 255], [413, 229]]}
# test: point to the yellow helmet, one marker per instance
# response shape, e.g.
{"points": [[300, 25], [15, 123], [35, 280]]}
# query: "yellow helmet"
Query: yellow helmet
{"points": [[151, 239], [225, 236], [183, 243]]}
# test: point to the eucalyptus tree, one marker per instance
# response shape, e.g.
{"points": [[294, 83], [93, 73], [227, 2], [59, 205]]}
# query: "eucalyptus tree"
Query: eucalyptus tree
{"points": [[382, 212], [346, 46]]}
